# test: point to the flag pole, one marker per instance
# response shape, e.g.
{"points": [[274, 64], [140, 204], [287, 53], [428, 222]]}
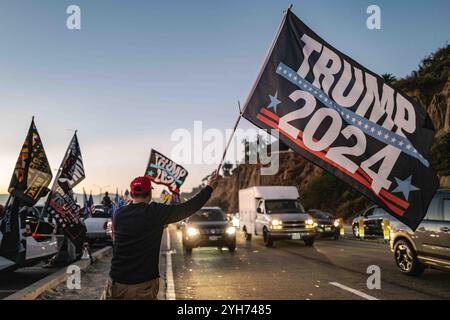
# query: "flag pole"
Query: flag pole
{"points": [[241, 112], [266, 59]]}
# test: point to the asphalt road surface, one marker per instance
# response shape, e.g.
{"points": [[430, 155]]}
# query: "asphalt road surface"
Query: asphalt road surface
{"points": [[11, 282], [331, 269]]}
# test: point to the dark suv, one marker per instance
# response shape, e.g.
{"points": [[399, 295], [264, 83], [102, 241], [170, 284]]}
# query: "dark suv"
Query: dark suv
{"points": [[208, 227], [373, 222], [429, 245]]}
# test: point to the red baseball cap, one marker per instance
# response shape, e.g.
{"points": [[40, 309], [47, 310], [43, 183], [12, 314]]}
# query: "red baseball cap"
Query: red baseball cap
{"points": [[141, 185]]}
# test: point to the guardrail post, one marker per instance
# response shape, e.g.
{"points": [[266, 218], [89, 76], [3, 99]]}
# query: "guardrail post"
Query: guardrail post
{"points": [[361, 228], [341, 227], [386, 229]]}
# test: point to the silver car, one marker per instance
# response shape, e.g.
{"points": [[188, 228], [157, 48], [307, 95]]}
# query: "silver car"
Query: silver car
{"points": [[429, 245]]}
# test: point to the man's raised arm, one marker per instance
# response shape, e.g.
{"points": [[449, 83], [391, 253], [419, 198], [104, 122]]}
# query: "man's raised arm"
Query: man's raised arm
{"points": [[178, 212]]}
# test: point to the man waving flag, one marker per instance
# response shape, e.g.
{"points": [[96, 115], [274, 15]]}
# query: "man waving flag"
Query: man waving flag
{"points": [[346, 119]]}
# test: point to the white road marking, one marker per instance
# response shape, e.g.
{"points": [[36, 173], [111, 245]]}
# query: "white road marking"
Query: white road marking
{"points": [[170, 285], [354, 291]]}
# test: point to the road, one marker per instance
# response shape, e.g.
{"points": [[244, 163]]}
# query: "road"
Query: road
{"points": [[11, 282], [328, 270]]}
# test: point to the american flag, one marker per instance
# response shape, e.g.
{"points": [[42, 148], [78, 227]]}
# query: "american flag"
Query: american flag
{"points": [[87, 209], [117, 198], [91, 203]]}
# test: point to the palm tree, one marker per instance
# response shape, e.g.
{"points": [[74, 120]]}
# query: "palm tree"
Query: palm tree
{"points": [[388, 78]]}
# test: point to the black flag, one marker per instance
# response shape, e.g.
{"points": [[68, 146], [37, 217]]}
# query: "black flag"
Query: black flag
{"points": [[61, 203], [164, 171], [32, 173], [346, 119], [29, 182]]}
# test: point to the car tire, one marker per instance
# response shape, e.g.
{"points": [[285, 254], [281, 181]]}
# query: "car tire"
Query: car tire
{"points": [[309, 242], [268, 241], [406, 259], [188, 249], [355, 229], [232, 248]]}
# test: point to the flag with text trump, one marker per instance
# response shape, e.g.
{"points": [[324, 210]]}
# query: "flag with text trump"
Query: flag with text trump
{"points": [[346, 119], [163, 170]]}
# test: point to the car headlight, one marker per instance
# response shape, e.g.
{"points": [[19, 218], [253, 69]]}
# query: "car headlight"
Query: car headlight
{"points": [[231, 230], [309, 223], [337, 223], [192, 232], [276, 222]]}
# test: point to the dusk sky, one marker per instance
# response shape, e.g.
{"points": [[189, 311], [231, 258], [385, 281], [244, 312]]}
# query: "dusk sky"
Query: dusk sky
{"points": [[138, 70]]}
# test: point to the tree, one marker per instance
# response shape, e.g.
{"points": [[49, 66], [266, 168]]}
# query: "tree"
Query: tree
{"points": [[226, 167], [388, 78]]}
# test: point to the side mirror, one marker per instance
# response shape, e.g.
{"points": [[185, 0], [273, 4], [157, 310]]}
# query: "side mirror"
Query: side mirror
{"points": [[258, 210]]}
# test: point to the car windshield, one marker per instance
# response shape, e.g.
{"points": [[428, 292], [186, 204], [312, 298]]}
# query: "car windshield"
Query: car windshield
{"points": [[101, 212], [320, 215], [208, 215], [284, 206]]}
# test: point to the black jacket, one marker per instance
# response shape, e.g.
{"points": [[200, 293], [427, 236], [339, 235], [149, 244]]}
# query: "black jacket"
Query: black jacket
{"points": [[138, 230]]}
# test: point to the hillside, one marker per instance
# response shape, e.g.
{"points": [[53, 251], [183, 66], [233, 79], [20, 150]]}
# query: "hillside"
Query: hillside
{"points": [[429, 85]]}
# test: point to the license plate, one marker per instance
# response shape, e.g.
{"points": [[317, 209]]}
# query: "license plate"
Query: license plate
{"points": [[296, 236], [327, 228], [213, 238]]}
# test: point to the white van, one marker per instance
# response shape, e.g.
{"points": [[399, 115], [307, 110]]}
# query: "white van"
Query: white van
{"points": [[275, 213]]}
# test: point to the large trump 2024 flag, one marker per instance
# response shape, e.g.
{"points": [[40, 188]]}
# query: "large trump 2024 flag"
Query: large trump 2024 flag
{"points": [[346, 119]]}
